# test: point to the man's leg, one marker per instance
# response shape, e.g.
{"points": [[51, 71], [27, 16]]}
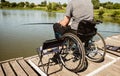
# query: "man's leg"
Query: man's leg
{"points": [[59, 30]]}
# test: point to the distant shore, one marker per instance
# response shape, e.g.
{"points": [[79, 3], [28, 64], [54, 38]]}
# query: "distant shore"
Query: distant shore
{"points": [[107, 12], [37, 8]]}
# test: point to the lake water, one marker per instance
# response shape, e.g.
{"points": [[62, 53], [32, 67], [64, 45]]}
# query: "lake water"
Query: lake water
{"points": [[18, 40]]}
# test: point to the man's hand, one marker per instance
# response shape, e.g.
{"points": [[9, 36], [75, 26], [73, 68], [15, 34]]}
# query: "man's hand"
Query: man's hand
{"points": [[65, 21]]}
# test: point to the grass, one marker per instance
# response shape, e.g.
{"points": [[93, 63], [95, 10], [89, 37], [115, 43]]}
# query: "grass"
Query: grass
{"points": [[108, 12]]}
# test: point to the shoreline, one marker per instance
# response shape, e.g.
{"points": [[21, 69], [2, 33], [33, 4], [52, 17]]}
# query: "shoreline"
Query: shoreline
{"points": [[107, 12]]}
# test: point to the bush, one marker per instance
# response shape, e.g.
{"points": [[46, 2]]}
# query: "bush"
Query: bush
{"points": [[115, 13], [64, 5], [49, 7], [21, 4], [32, 5], [101, 11], [54, 6]]}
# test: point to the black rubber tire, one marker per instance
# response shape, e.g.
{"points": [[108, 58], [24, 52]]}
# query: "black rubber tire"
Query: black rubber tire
{"points": [[80, 53], [103, 50]]}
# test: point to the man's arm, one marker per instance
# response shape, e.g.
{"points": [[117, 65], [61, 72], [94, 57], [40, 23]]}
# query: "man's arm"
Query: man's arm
{"points": [[65, 21]]}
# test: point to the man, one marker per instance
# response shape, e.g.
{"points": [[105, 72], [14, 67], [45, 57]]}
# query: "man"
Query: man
{"points": [[76, 11]]}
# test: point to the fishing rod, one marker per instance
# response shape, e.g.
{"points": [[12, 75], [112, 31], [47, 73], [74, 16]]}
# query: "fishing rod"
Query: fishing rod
{"points": [[54, 23], [37, 23]]}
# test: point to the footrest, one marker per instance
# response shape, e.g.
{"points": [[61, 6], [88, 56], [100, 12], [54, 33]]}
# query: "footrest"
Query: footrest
{"points": [[113, 48]]}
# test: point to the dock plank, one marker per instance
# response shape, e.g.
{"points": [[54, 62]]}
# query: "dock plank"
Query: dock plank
{"points": [[8, 70], [54, 70], [116, 38], [1, 72], [114, 42], [92, 66], [113, 70], [27, 68], [117, 63], [19, 71]]}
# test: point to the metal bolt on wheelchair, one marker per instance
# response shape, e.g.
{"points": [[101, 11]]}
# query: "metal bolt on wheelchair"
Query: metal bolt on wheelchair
{"points": [[71, 50]]}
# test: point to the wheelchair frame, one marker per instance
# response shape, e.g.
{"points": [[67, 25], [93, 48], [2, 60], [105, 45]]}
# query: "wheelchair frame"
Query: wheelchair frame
{"points": [[62, 49]]}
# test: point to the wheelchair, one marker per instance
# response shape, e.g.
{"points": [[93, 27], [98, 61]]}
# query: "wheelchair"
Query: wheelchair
{"points": [[72, 49]]}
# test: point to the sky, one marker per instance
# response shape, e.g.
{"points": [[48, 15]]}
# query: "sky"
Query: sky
{"points": [[62, 1]]}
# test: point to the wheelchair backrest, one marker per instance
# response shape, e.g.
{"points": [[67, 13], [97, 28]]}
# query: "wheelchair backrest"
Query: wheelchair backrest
{"points": [[86, 30], [86, 27]]}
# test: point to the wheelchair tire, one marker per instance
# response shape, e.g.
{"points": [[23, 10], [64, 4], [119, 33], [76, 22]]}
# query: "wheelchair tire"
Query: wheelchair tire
{"points": [[72, 55], [97, 49]]}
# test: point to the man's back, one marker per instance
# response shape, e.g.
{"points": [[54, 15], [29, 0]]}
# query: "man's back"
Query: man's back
{"points": [[79, 10]]}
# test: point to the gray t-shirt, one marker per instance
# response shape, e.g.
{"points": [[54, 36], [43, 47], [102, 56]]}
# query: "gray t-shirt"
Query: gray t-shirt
{"points": [[79, 10]]}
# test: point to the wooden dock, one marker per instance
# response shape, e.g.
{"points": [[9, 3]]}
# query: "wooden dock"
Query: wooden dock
{"points": [[29, 66]]}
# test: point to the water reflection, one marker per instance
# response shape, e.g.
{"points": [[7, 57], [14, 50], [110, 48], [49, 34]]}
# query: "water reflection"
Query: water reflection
{"points": [[50, 14], [4, 13]]}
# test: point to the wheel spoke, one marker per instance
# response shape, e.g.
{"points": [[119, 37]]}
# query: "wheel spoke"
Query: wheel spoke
{"points": [[95, 45], [72, 57]]}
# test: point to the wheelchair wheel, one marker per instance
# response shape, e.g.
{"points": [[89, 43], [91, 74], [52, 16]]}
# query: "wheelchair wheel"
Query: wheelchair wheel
{"points": [[96, 49], [72, 54]]}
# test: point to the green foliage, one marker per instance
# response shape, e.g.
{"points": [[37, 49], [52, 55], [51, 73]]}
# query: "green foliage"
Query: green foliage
{"points": [[64, 5], [21, 4], [14, 4], [44, 3], [109, 5], [54, 6], [49, 7], [115, 13], [5, 4], [116, 6], [32, 5], [101, 12], [59, 5], [96, 4], [27, 4]]}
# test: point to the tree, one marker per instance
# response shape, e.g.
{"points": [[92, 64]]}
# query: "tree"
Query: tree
{"points": [[44, 3], [21, 4], [54, 6], [32, 5], [49, 7], [64, 5], [101, 11], [5, 4], [116, 6], [27, 4], [96, 4], [109, 5], [14, 4]]}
